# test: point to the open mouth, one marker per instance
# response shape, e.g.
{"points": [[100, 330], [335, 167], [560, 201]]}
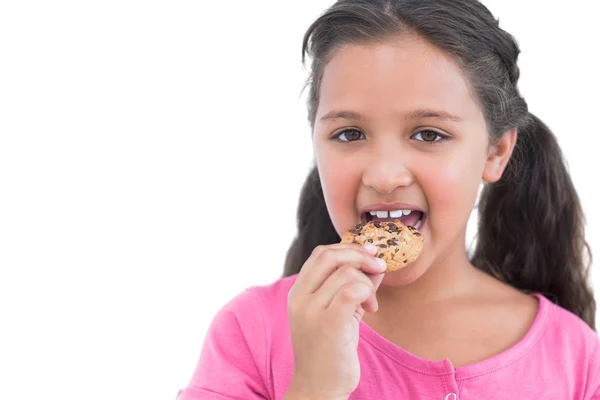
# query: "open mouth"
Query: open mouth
{"points": [[413, 218]]}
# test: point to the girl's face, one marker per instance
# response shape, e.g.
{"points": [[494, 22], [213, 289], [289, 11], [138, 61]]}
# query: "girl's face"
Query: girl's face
{"points": [[396, 123]]}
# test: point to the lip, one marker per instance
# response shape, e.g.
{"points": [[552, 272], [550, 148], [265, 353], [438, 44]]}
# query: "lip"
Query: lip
{"points": [[393, 207]]}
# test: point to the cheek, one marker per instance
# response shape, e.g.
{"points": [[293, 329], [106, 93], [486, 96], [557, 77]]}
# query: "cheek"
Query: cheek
{"points": [[451, 187], [340, 180]]}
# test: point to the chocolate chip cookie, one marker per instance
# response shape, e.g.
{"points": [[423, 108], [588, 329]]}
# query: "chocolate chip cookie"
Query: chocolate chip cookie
{"points": [[396, 243]]}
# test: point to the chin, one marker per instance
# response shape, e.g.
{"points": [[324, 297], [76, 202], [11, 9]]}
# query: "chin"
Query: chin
{"points": [[408, 274]]}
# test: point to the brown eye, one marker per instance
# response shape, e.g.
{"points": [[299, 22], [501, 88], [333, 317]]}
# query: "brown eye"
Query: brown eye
{"points": [[430, 136], [349, 135]]}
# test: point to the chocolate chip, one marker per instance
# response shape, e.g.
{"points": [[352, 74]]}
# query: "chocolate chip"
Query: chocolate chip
{"points": [[370, 240], [377, 224], [393, 227], [405, 261], [392, 242], [382, 246], [404, 254], [354, 231], [417, 234], [380, 256], [380, 237]]}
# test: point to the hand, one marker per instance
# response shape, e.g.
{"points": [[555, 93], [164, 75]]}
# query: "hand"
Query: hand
{"points": [[334, 288]]}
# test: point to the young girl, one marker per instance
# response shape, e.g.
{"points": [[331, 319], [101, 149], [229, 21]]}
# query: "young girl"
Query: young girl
{"points": [[412, 104]]}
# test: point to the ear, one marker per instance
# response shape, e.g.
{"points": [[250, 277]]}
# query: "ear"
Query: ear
{"points": [[499, 153]]}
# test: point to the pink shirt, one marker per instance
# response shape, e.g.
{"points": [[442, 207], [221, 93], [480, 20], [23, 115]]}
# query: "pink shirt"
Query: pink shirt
{"points": [[247, 354]]}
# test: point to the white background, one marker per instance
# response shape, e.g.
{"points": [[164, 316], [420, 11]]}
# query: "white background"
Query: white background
{"points": [[141, 139]]}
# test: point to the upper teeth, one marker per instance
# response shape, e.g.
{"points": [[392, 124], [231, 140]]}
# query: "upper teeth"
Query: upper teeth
{"points": [[392, 214]]}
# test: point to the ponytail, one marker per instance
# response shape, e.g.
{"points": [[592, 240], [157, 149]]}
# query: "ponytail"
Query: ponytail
{"points": [[531, 225], [314, 225]]}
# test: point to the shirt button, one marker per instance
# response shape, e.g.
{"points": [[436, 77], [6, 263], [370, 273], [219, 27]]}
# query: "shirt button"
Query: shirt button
{"points": [[451, 396]]}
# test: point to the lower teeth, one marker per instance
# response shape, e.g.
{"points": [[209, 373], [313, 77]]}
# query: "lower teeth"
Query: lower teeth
{"points": [[418, 224]]}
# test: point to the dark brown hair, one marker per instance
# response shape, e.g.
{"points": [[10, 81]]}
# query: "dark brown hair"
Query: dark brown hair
{"points": [[531, 224]]}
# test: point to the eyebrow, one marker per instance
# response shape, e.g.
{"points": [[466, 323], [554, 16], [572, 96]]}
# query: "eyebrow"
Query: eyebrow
{"points": [[416, 114]]}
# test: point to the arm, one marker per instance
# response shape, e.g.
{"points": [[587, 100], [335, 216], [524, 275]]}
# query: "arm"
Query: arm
{"points": [[231, 353]]}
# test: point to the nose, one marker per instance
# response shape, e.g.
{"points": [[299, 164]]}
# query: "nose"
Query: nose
{"points": [[386, 170]]}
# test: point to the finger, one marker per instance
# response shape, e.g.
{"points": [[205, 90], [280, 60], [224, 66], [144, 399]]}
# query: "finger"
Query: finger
{"points": [[343, 276], [326, 259], [372, 304], [377, 279], [347, 274], [346, 302]]}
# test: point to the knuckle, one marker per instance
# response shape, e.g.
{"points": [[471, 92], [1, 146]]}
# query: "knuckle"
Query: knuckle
{"points": [[347, 295], [327, 256], [317, 251]]}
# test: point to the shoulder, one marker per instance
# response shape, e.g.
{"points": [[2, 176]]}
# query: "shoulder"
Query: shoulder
{"points": [[569, 336], [563, 325], [565, 337], [275, 290], [251, 323], [265, 295], [550, 321], [257, 305], [561, 333], [239, 342]]}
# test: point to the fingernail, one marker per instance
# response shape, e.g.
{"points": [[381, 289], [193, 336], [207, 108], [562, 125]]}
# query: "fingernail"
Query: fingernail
{"points": [[381, 262], [370, 248]]}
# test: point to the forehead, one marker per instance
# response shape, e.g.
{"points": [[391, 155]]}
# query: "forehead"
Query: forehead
{"points": [[395, 77]]}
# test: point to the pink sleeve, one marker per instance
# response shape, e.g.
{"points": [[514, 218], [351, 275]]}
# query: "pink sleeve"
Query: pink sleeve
{"points": [[233, 357], [594, 375]]}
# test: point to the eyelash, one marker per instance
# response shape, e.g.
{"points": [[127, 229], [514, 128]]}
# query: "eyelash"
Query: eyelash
{"points": [[443, 137]]}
